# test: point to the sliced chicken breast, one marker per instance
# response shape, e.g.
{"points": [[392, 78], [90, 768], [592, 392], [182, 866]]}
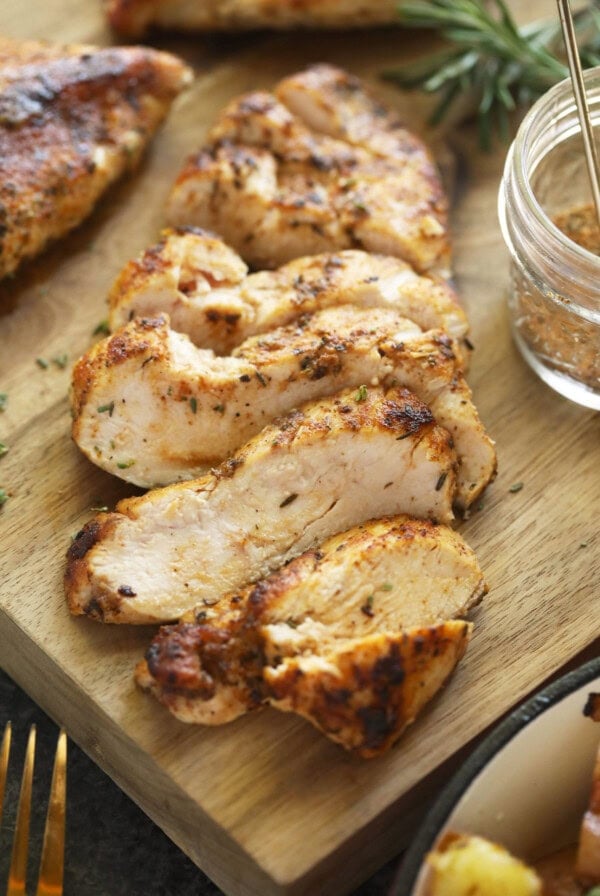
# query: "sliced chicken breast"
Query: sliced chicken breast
{"points": [[72, 120], [384, 577], [277, 189], [133, 17], [320, 470], [151, 408], [204, 287]]}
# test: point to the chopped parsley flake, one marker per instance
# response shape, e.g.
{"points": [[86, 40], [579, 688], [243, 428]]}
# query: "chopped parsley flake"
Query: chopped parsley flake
{"points": [[3, 449], [516, 487], [125, 464], [104, 408], [61, 360], [3, 497], [3, 401], [439, 484], [101, 329], [361, 393], [387, 586], [41, 362], [101, 508], [193, 405], [219, 408], [367, 607]]}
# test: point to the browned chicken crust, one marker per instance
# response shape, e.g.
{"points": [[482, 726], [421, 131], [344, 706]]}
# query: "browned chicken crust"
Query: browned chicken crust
{"points": [[334, 635], [72, 119], [133, 17], [318, 167]]}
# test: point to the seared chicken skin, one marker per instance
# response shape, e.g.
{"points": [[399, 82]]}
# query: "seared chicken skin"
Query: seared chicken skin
{"points": [[133, 17], [278, 184], [205, 288], [72, 119], [146, 393], [384, 584], [326, 467]]}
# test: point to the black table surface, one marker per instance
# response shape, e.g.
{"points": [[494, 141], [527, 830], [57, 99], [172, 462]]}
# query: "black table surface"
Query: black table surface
{"points": [[112, 848]]}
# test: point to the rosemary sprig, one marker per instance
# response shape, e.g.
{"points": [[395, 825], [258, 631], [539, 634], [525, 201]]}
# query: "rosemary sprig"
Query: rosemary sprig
{"points": [[489, 58]]}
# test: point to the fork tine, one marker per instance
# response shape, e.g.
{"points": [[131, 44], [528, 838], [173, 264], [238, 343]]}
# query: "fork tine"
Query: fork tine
{"points": [[4, 754], [18, 865], [50, 882]]}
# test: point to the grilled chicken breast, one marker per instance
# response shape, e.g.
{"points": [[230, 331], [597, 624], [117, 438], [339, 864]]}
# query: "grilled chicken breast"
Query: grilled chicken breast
{"points": [[72, 119], [386, 577], [133, 17], [205, 288], [277, 186], [146, 393], [320, 470]]}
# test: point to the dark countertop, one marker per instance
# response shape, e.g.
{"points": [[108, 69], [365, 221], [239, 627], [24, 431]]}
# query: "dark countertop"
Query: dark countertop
{"points": [[112, 849]]}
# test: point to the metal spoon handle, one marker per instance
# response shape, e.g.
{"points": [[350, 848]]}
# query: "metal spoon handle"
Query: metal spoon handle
{"points": [[587, 132]]}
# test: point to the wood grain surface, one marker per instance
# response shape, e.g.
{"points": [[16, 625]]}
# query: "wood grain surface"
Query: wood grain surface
{"points": [[266, 805]]}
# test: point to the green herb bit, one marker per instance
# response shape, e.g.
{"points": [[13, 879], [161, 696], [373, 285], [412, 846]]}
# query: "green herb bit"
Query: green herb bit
{"points": [[516, 487], [387, 586], [61, 360], [367, 607], [219, 408], [193, 405], [595, 891], [361, 393], [106, 408], [101, 329], [100, 508], [3, 449], [125, 464], [41, 362], [3, 401], [3, 497], [583, 544]]}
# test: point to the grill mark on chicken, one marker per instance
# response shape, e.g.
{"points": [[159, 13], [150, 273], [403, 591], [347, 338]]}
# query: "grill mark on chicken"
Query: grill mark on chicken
{"points": [[72, 119], [184, 409], [278, 185], [210, 668], [205, 289], [200, 539]]}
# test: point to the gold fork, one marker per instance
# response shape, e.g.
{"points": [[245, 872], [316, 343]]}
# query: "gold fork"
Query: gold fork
{"points": [[50, 879]]}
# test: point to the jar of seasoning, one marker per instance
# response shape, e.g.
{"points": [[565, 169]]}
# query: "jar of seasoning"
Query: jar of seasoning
{"points": [[550, 228]]}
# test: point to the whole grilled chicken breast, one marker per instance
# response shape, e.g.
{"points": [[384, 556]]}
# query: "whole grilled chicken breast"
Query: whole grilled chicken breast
{"points": [[384, 577], [276, 187], [133, 17], [146, 394], [320, 470], [205, 288], [72, 120]]}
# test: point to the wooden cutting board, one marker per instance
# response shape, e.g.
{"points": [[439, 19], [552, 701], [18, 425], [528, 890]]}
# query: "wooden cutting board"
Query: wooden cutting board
{"points": [[266, 805]]}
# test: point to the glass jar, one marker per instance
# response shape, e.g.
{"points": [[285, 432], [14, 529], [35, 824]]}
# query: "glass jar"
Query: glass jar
{"points": [[554, 298]]}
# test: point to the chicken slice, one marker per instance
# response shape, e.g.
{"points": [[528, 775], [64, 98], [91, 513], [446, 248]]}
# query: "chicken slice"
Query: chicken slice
{"points": [[276, 189], [326, 467], [204, 287], [72, 120], [134, 17], [147, 394], [384, 577]]}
